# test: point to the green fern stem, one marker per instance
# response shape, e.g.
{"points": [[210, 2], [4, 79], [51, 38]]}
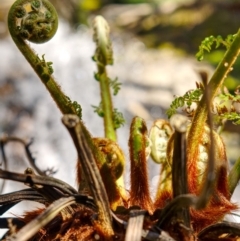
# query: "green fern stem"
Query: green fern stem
{"points": [[103, 57], [37, 22], [199, 119], [107, 105]]}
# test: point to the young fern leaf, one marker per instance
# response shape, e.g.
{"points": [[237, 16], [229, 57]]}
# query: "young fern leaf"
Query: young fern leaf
{"points": [[103, 57], [208, 42], [216, 81], [98, 109], [222, 112], [231, 116], [192, 96], [111, 168], [159, 135], [116, 85], [37, 21], [118, 119], [104, 53], [139, 151], [226, 96], [225, 107]]}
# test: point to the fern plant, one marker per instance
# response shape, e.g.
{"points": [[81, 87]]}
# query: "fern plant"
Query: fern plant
{"points": [[223, 103], [194, 190]]}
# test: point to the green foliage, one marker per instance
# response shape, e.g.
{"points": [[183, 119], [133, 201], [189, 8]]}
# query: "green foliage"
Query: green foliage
{"points": [[94, 159], [44, 67], [118, 119], [116, 85], [98, 109], [231, 116], [78, 108], [103, 56], [192, 96], [226, 96], [225, 110], [208, 42], [37, 21]]}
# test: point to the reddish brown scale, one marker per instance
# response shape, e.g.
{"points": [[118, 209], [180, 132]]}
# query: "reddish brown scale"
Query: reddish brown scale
{"points": [[140, 196], [211, 214], [80, 227], [193, 177], [163, 199], [77, 228], [222, 182], [219, 204], [139, 193]]}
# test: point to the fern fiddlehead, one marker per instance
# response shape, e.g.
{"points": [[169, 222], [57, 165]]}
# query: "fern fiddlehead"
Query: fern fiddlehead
{"points": [[139, 150], [37, 21], [103, 57]]}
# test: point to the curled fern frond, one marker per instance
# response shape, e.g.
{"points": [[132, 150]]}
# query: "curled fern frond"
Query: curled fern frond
{"points": [[207, 43], [36, 21], [104, 53]]}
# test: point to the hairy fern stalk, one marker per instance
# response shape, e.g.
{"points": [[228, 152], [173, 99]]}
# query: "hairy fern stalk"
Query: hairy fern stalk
{"points": [[194, 189]]}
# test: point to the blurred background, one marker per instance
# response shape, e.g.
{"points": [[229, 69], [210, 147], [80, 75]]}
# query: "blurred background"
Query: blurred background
{"points": [[154, 43]]}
